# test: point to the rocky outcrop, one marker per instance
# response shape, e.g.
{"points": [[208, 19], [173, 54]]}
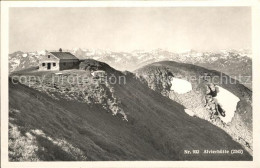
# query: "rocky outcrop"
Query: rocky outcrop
{"points": [[211, 104], [158, 79]]}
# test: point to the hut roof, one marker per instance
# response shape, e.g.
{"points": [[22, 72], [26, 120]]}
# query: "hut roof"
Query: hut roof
{"points": [[64, 55]]}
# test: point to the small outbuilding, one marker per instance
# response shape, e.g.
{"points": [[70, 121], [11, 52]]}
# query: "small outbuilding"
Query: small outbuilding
{"points": [[57, 61]]}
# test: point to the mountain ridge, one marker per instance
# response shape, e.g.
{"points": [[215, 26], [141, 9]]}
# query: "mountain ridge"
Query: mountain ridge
{"points": [[73, 129]]}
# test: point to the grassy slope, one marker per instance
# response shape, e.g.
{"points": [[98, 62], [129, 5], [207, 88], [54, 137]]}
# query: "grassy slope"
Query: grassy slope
{"points": [[158, 129]]}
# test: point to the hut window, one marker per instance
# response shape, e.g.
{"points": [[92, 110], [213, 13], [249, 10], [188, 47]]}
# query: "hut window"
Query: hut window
{"points": [[54, 64], [64, 63], [49, 56], [43, 64]]}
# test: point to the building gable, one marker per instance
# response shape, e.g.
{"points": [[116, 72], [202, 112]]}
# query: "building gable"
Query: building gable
{"points": [[49, 57]]}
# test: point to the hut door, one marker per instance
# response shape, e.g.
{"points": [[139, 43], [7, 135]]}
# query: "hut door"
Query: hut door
{"points": [[48, 65]]}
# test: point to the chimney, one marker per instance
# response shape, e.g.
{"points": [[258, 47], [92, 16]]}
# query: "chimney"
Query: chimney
{"points": [[60, 50]]}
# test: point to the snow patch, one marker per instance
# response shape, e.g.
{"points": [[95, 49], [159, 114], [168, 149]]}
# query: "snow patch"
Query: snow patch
{"points": [[189, 112], [25, 55], [180, 86], [228, 101]]}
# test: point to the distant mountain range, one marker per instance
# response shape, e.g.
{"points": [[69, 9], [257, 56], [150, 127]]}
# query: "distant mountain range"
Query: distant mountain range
{"points": [[231, 62]]}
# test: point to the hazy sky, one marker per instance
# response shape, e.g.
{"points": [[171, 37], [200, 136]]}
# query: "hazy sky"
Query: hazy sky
{"points": [[127, 29]]}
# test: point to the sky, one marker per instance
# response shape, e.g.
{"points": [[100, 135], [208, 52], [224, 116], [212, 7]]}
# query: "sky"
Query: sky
{"points": [[128, 29]]}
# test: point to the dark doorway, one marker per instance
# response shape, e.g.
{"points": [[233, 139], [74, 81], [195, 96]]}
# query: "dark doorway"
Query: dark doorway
{"points": [[48, 65]]}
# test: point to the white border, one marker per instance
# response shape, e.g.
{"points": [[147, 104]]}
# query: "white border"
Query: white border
{"points": [[4, 83], [126, 3]]}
